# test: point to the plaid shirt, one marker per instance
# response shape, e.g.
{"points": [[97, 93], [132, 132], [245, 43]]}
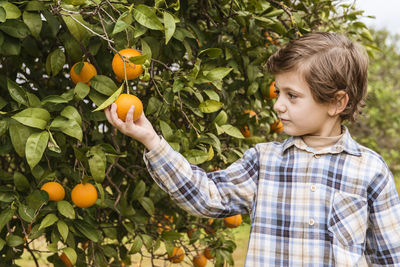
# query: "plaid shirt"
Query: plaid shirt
{"points": [[334, 207]]}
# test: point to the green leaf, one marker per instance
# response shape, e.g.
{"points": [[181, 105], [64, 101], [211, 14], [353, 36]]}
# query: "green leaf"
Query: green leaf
{"points": [[54, 99], [212, 52], [21, 182], [81, 90], [69, 127], [212, 94], [232, 131], [136, 245], [139, 191], [217, 74], [148, 241], [71, 254], [110, 100], [33, 117], [63, 229], [87, 230], [97, 163], [171, 235], [72, 113], [147, 204], [2, 19], [26, 213], [34, 6], [210, 106], [147, 17], [52, 144], [33, 100], [5, 216], [169, 23], [15, 28], [12, 10], [47, 221], [17, 93], [221, 118], [35, 147], [37, 199], [166, 130], [195, 156], [103, 84], [2, 243], [123, 22], [14, 240], [11, 46], [3, 127], [55, 62], [66, 209], [19, 135], [74, 24], [34, 23]]}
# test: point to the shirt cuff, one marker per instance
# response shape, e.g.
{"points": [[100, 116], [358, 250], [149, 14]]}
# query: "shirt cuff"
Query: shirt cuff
{"points": [[158, 152]]}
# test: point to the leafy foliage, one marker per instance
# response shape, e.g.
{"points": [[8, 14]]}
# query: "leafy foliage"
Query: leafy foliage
{"points": [[203, 64]]}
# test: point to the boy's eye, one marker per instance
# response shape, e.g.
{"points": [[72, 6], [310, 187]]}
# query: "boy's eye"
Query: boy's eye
{"points": [[292, 96]]}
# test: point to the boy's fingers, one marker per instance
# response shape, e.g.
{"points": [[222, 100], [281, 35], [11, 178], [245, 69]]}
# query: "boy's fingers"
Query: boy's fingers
{"points": [[129, 115]]}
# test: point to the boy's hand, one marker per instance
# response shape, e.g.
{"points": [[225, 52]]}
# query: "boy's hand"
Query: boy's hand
{"points": [[141, 130]]}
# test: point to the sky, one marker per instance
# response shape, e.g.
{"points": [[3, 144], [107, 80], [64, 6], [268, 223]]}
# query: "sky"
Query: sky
{"points": [[385, 11]]}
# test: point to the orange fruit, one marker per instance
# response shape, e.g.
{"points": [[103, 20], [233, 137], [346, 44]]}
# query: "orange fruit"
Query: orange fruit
{"points": [[84, 195], [190, 232], [132, 70], [65, 259], [277, 126], [55, 190], [161, 228], [199, 260], [85, 245], [233, 221], [271, 94], [207, 253], [245, 131], [251, 113], [124, 103], [177, 255], [88, 71]]}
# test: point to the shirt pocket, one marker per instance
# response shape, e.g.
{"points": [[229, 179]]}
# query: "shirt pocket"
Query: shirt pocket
{"points": [[348, 223]]}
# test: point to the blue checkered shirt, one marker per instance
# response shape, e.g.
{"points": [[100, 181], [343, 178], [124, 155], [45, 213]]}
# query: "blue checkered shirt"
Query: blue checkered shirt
{"points": [[333, 207]]}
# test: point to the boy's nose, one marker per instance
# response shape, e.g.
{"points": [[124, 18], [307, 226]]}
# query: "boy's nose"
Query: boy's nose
{"points": [[279, 107]]}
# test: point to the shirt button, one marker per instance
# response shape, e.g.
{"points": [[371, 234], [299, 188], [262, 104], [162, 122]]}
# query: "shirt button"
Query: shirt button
{"points": [[311, 222], [313, 188]]}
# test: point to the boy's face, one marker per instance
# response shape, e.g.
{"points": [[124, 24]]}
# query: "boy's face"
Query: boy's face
{"points": [[299, 112]]}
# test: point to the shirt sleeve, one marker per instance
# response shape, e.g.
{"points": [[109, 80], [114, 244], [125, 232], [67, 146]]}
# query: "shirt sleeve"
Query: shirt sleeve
{"points": [[216, 194], [383, 239]]}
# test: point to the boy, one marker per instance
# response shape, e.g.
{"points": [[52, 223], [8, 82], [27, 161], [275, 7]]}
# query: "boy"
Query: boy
{"points": [[316, 199]]}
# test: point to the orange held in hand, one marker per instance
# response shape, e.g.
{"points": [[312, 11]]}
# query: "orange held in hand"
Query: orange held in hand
{"points": [[55, 190], [84, 195], [132, 70], [87, 72], [124, 103], [199, 260], [177, 255], [233, 221]]}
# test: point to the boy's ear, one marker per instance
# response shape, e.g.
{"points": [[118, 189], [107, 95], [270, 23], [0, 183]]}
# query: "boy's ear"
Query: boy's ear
{"points": [[339, 103]]}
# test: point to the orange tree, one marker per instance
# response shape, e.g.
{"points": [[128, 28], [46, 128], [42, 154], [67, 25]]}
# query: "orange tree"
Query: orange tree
{"points": [[202, 67]]}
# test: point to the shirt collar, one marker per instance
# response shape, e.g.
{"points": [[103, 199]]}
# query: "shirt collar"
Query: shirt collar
{"points": [[346, 143]]}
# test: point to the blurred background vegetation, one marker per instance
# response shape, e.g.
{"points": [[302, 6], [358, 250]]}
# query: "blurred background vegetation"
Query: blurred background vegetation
{"points": [[379, 126]]}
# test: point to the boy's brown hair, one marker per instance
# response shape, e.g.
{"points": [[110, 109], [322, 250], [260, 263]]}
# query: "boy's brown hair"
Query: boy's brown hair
{"points": [[329, 62]]}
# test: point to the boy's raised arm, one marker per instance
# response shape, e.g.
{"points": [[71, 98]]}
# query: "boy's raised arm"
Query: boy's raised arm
{"points": [[216, 194]]}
